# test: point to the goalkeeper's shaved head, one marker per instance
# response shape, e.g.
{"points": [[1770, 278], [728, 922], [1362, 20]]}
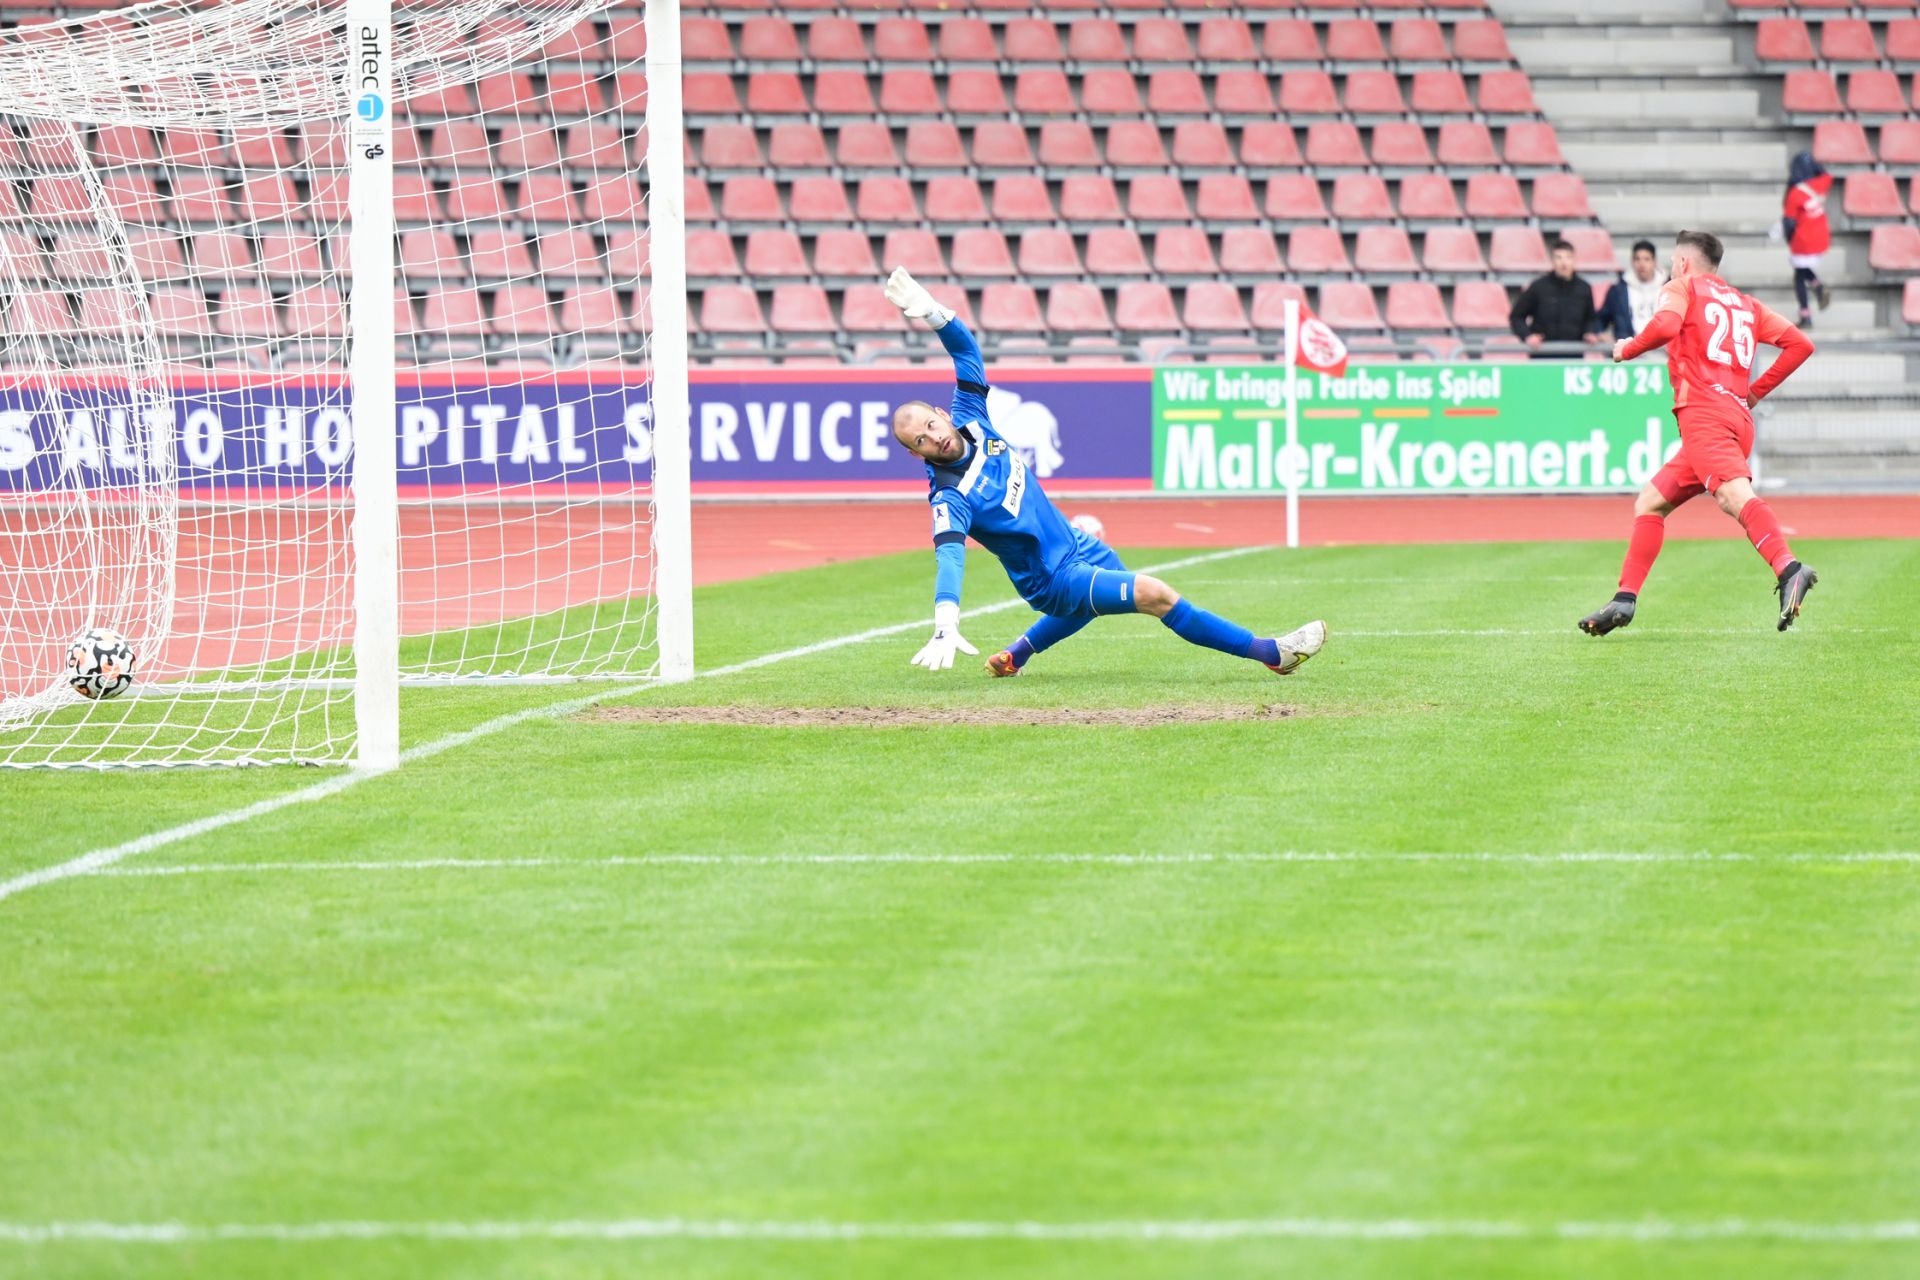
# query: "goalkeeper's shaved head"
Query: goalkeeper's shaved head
{"points": [[927, 432]]}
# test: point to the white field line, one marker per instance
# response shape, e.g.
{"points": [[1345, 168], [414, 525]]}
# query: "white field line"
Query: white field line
{"points": [[88, 863], [664, 860], [1152, 1231]]}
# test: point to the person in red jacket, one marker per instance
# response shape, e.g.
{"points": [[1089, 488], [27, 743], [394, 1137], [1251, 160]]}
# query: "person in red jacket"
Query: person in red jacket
{"points": [[1804, 223]]}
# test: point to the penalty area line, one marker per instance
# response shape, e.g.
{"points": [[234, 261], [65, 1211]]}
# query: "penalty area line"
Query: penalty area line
{"points": [[1156, 1231], [98, 859]]}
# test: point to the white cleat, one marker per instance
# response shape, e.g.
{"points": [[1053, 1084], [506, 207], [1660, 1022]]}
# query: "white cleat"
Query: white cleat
{"points": [[1297, 646]]}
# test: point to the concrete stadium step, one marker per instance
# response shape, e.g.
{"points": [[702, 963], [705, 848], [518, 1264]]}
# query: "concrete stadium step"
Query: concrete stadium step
{"points": [[1523, 13], [1733, 210], [1702, 158], [1602, 102], [1672, 47]]}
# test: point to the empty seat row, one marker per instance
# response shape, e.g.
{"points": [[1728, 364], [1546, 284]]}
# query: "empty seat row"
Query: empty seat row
{"points": [[1149, 198], [311, 311], [976, 92], [1125, 144], [986, 253], [560, 92], [504, 253], [1124, 10], [1813, 92], [775, 39], [197, 199], [1845, 143], [1788, 40], [1870, 196], [510, 144]]}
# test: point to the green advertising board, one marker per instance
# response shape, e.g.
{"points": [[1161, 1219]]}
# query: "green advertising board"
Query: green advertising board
{"points": [[1538, 427]]}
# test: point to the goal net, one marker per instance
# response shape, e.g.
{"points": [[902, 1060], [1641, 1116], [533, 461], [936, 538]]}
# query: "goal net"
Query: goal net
{"points": [[212, 443]]}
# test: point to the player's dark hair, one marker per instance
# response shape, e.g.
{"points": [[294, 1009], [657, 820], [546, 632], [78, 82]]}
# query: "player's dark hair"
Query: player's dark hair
{"points": [[1705, 243], [1648, 245], [1558, 245]]}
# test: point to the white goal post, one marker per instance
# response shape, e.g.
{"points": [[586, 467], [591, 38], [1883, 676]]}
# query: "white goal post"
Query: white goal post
{"points": [[344, 348]]}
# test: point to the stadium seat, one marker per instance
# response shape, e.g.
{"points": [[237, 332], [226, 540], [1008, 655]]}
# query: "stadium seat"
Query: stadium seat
{"points": [[840, 40], [1900, 143], [1044, 91], [1465, 144], [1150, 198], [1533, 145], [182, 312], [1910, 303], [1307, 93], [1354, 40], [1429, 198], [1067, 144], [1383, 251], [909, 91], [1517, 250], [879, 199], [1201, 144], [205, 148], [1481, 305], [1782, 40], [980, 252], [762, 39], [976, 94], [1010, 308], [109, 311], [1145, 307], [1316, 251], [742, 199], [1415, 305], [1077, 307], [862, 145], [916, 249], [1903, 40], [499, 254], [1094, 40], [573, 93], [1335, 144], [1401, 144], [1872, 195], [1270, 145], [1106, 92], [76, 256], [120, 144], [699, 201], [1452, 251], [1361, 197], [771, 252], [1240, 94], [158, 254], [1561, 195], [1086, 197], [839, 93], [894, 40], [1494, 196], [1249, 252], [1875, 93], [1842, 143], [1294, 197], [1349, 306], [1481, 40], [801, 308], [244, 312], [1183, 251], [1269, 314], [590, 309], [965, 40], [1023, 198], [1225, 197], [531, 144], [1161, 40], [316, 311], [933, 145], [1377, 93], [1293, 41], [629, 254], [414, 200], [735, 146], [1214, 307], [1228, 40], [1810, 93], [522, 311], [221, 255], [1507, 93], [728, 308], [1002, 144], [1050, 251], [1134, 145], [1592, 252], [582, 146], [1031, 40], [1847, 40], [1441, 93], [608, 197]]}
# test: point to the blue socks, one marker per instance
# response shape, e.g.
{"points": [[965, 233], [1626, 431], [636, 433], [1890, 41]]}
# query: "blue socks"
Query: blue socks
{"points": [[1211, 631], [1044, 634]]}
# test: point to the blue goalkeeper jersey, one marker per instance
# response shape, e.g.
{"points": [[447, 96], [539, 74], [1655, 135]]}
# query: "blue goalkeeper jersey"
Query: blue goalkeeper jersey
{"points": [[989, 493]]}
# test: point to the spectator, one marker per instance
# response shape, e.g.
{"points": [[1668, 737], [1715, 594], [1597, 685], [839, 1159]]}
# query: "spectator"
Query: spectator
{"points": [[1632, 299], [1804, 226], [1556, 308]]}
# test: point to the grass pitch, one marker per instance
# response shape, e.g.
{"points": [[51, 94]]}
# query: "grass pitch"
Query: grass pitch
{"points": [[1515, 1064]]}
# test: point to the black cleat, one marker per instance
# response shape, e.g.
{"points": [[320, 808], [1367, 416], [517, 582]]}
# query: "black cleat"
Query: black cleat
{"points": [[1792, 589], [1615, 613]]}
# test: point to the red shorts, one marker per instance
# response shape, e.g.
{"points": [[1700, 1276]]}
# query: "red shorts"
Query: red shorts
{"points": [[1714, 444]]}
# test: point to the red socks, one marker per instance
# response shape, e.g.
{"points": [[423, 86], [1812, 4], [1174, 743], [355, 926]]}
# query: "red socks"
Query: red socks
{"points": [[1648, 533], [1764, 531]]}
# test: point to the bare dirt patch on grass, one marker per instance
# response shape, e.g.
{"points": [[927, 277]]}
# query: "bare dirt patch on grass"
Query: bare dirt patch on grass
{"points": [[763, 717]]}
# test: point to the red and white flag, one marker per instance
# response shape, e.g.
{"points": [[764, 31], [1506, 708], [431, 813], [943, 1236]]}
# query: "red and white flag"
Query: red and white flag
{"points": [[1319, 348]]}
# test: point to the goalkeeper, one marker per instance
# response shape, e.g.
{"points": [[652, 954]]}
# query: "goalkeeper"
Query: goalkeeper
{"points": [[979, 486]]}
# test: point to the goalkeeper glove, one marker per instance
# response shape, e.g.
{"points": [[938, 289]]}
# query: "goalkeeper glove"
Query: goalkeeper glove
{"points": [[908, 294], [937, 653]]}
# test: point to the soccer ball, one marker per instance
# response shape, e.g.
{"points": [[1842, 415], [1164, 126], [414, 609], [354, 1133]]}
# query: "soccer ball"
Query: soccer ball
{"points": [[1089, 525], [100, 663]]}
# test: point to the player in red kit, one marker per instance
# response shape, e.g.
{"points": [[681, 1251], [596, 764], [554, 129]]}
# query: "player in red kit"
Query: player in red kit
{"points": [[1710, 330]]}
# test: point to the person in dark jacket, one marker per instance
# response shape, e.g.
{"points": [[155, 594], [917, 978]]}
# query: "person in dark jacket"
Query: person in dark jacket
{"points": [[1558, 307], [1635, 296]]}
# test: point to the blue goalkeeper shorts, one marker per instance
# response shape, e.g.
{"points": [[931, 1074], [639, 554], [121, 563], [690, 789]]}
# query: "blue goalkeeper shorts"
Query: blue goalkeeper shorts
{"points": [[1075, 592]]}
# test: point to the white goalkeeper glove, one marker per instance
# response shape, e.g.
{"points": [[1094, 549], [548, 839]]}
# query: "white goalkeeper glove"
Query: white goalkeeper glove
{"points": [[937, 653], [908, 294]]}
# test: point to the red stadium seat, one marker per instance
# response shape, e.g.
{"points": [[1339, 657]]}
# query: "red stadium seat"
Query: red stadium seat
{"points": [[1151, 198], [1842, 142], [1384, 251], [863, 144], [1507, 93], [1109, 92], [160, 255], [1161, 40], [1532, 145], [182, 312], [1875, 93], [1249, 251], [222, 255], [204, 148], [1481, 40], [1307, 93], [1465, 144], [802, 308], [119, 144], [976, 93], [934, 144], [1294, 197], [743, 199], [1560, 195], [1517, 249], [244, 312], [1077, 307], [699, 201], [909, 91], [839, 92], [1270, 304], [1873, 195], [316, 311], [1135, 144], [1269, 145], [1225, 197], [768, 93], [1415, 305], [1095, 40], [1290, 40], [1401, 144], [457, 142], [574, 93], [1226, 40], [981, 252], [1183, 251], [955, 198], [1376, 93], [1032, 40], [1214, 307], [1049, 251], [879, 199], [1441, 93], [1452, 250], [762, 39], [771, 252], [894, 40], [530, 144], [1494, 196], [1810, 93], [1349, 306], [1316, 251], [255, 148], [1428, 197], [1043, 91], [914, 248], [1335, 144], [109, 311], [1090, 198], [1241, 93], [1847, 40], [1145, 307], [1067, 144], [964, 40], [710, 255], [1481, 305], [1361, 197], [1010, 308], [1900, 143], [1022, 198], [499, 254], [1910, 303], [1417, 40], [1903, 40], [1782, 40], [1354, 40], [831, 40], [508, 93], [413, 198], [590, 309], [734, 146], [1002, 144], [729, 308], [1201, 144], [1592, 252]]}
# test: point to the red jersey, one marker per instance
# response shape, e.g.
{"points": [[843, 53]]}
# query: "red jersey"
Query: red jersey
{"points": [[1710, 357], [1806, 204]]}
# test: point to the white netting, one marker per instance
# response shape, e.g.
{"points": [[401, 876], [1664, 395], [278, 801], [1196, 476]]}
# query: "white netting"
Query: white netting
{"points": [[174, 432]]}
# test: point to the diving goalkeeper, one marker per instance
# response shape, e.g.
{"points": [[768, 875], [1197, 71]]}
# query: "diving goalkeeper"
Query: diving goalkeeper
{"points": [[978, 485]]}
